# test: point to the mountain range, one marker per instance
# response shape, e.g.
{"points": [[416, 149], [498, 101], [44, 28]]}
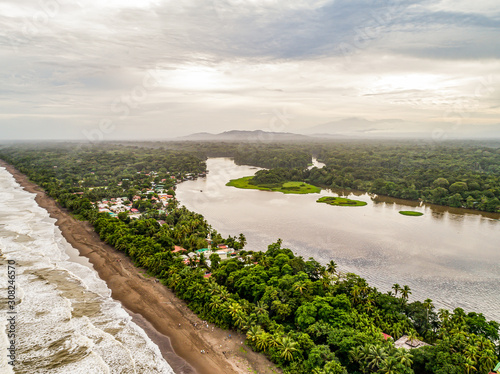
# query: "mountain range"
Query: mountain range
{"points": [[359, 128]]}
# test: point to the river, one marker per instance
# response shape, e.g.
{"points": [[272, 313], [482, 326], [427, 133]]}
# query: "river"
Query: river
{"points": [[449, 255]]}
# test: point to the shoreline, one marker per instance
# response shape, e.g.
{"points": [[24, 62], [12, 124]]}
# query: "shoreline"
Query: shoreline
{"points": [[167, 320]]}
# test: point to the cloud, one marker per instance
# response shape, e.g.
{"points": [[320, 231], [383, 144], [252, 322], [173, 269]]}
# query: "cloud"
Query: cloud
{"points": [[174, 66]]}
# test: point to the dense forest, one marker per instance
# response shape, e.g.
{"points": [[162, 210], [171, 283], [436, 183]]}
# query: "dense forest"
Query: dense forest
{"points": [[306, 317], [454, 173]]}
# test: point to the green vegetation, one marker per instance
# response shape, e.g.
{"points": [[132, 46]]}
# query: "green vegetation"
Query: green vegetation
{"points": [[453, 174], [340, 201], [281, 179], [456, 174], [410, 213], [286, 187], [244, 183], [307, 318]]}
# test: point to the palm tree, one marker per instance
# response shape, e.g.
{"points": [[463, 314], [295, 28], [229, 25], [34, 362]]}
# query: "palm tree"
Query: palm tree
{"points": [[288, 348], [331, 267], [240, 319], [213, 287], [215, 303], [376, 356], [300, 286], [404, 357], [469, 366], [487, 360], [412, 336], [356, 354], [262, 340], [472, 353], [389, 366], [174, 280], [274, 340], [224, 293], [396, 287], [397, 330], [242, 240], [260, 307], [355, 292], [427, 304], [234, 309], [405, 292], [253, 333]]}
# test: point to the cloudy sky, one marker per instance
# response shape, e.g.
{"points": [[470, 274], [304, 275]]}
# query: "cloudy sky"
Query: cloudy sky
{"points": [[152, 69]]}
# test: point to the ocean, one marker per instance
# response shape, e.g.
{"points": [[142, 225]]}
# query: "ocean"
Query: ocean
{"points": [[63, 319]]}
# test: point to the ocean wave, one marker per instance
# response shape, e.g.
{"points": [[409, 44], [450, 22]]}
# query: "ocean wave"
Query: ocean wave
{"points": [[67, 321]]}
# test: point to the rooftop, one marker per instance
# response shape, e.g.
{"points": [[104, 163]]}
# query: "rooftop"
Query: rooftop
{"points": [[405, 342]]}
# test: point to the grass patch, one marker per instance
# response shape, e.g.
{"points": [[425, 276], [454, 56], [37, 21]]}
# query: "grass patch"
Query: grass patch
{"points": [[287, 187], [410, 213], [340, 201]]}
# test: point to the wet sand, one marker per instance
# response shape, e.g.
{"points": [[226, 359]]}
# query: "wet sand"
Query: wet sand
{"points": [[167, 320]]}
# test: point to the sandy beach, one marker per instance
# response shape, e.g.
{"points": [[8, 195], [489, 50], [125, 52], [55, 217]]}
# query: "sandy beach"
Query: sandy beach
{"points": [[178, 332]]}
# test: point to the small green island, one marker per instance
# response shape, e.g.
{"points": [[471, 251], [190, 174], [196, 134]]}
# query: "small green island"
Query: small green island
{"points": [[340, 201], [285, 187], [410, 213], [280, 180]]}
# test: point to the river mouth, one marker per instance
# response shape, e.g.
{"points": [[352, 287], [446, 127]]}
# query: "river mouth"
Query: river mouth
{"points": [[449, 255]]}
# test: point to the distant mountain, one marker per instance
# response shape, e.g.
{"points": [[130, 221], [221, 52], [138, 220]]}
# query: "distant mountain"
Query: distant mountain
{"points": [[246, 136], [396, 128], [357, 128]]}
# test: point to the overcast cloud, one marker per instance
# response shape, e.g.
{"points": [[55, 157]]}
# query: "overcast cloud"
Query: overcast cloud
{"points": [[125, 69]]}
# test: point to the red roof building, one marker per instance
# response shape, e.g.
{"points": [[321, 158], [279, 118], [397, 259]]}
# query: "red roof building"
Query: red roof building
{"points": [[178, 249], [386, 336]]}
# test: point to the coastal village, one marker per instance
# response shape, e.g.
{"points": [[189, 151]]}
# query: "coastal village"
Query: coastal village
{"points": [[158, 198], [157, 194]]}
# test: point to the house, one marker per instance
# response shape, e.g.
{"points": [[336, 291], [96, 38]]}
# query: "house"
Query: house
{"points": [[133, 210], [222, 254], [206, 252], [222, 246], [202, 250], [406, 343], [208, 275], [386, 336], [178, 249]]}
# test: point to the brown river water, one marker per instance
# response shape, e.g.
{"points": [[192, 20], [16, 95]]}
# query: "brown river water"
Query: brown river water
{"points": [[449, 255]]}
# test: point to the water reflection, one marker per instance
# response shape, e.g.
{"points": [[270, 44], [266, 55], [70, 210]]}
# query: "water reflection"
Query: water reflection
{"points": [[449, 255]]}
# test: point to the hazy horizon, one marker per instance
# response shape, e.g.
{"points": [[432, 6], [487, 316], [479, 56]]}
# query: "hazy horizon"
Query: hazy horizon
{"points": [[157, 70]]}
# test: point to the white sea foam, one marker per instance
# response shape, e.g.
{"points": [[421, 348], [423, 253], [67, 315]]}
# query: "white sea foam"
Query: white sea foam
{"points": [[66, 320]]}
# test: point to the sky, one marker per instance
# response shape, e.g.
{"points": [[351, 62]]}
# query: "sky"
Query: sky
{"points": [[150, 69]]}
